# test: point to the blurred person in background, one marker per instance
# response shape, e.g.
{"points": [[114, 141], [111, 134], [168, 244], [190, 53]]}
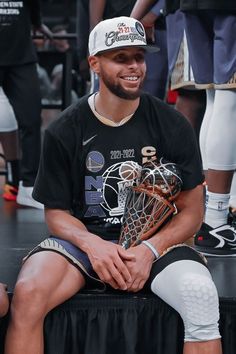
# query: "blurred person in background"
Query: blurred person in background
{"points": [[19, 80], [9, 139], [156, 81], [189, 101]]}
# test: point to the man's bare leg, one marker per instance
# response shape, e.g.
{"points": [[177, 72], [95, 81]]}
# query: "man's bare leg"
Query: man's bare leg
{"points": [[4, 301], [46, 280]]}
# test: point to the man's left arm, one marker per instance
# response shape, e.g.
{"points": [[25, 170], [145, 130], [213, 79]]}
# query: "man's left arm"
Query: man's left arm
{"points": [[141, 7], [36, 19], [185, 223], [96, 11], [179, 229], [35, 12], [149, 16]]}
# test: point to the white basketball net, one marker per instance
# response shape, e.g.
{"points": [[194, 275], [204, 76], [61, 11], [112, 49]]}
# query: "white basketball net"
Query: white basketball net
{"points": [[144, 213], [149, 203]]}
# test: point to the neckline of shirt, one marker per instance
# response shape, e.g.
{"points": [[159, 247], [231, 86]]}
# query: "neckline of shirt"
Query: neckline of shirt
{"points": [[104, 120]]}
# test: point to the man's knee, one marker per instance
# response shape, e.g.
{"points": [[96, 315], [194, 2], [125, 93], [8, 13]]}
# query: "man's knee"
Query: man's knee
{"points": [[28, 301], [200, 312], [188, 287]]}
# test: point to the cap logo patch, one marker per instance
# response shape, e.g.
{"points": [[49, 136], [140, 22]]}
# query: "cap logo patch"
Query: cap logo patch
{"points": [[140, 29], [125, 33]]}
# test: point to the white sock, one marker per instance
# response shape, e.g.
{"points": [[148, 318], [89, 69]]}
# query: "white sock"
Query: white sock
{"points": [[217, 206]]}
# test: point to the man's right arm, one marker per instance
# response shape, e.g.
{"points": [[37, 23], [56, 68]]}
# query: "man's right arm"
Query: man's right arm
{"points": [[107, 259]]}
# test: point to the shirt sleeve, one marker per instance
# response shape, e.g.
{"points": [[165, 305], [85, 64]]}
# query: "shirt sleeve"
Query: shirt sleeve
{"points": [[53, 185]]}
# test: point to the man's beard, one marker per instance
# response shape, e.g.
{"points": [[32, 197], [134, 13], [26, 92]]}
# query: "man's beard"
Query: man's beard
{"points": [[119, 91]]}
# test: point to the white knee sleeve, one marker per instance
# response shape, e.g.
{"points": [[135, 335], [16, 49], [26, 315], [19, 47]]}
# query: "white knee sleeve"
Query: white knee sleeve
{"points": [[220, 141], [8, 121], [187, 286], [210, 94]]}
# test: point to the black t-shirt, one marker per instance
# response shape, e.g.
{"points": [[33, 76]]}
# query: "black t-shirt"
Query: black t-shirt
{"points": [[80, 168], [192, 5], [195, 5], [16, 17], [118, 8]]}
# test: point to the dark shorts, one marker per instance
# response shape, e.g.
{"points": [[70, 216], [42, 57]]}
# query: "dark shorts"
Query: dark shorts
{"points": [[81, 261], [212, 47], [181, 75], [201, 49]]}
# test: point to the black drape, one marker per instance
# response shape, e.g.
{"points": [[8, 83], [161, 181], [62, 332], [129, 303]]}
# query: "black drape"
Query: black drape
{"points": [[113, 324], [122, 324]]}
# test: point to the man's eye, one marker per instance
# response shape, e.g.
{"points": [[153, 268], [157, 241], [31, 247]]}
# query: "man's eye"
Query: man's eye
{"points": [[120, 59], [139, 58]]}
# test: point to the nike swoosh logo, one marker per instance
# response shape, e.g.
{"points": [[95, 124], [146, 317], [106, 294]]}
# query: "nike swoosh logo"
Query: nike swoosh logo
{"points": [[85, 142], [222, 239]]}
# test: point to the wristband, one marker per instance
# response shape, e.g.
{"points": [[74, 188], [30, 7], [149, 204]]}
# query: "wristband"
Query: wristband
{"points": [[152, 248]]}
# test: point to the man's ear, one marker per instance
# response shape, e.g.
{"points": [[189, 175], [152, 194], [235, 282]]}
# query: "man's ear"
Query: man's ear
{"points": [[94, 63]]}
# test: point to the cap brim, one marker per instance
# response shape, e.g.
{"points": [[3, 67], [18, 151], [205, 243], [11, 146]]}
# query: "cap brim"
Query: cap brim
{"points": [[149, 48]]}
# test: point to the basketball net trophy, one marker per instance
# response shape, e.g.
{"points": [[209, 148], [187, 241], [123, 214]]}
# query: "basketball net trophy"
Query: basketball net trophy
{"points": [[150, 201]]}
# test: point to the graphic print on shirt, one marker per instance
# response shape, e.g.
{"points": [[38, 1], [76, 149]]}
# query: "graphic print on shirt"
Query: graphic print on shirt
{"points": [[9, 11], [105, 193], [116, 179]]}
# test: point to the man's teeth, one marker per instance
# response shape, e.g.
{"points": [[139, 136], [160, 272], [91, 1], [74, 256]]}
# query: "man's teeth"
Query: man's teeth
{"points": [[131, 78]]}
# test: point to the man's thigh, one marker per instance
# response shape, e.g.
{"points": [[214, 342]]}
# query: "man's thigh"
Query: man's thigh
{"points": [[51, 276]]}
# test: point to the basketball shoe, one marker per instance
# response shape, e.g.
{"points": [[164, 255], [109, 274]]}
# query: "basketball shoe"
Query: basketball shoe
{"points": [[24, 197], [219, 241], [9, 192]]}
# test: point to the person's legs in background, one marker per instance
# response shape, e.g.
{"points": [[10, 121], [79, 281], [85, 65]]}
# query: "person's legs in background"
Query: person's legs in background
{"points": [[220, 149], [157, 67], [23, 92], [192, 104], [215, 47], [9, 140], [210, 97]]}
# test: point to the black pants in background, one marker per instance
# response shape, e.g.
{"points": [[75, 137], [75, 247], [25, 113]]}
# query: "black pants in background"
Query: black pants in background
{"points": [[21, 85]]}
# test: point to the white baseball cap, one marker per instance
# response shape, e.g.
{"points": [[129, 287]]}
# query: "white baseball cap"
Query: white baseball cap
{"points": [[118, 32]]}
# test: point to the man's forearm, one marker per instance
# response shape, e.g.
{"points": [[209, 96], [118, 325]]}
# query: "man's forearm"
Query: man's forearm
{"points": [[96, 11], [65, 226], [141, 7], [184, 224]]}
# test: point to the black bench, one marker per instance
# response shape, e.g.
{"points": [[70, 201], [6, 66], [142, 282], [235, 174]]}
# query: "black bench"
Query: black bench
{"points": [[117, 323]]}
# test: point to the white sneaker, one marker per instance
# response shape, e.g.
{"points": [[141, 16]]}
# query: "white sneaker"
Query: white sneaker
{"points": [[24, 197]]}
